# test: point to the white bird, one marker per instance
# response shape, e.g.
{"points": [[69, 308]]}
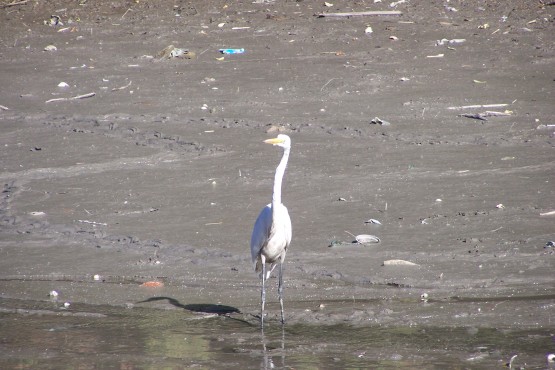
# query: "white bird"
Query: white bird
{"points": [[272, 231]]}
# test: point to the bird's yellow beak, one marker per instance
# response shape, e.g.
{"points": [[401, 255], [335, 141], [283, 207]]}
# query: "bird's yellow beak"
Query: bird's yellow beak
{"points": [[274, 141]]}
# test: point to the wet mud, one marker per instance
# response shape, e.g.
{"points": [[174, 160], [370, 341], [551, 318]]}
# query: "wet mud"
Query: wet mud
{"points": [[159, 175]]}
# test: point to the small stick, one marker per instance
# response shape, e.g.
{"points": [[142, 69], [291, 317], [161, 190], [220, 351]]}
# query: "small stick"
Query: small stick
{"points": [[125, 13], [93, 222], [550, 213], [361, 14], [479, 106], [15, 3], [495, 114], [3, 107], [89, 95], [326, 84], [122, 87]]}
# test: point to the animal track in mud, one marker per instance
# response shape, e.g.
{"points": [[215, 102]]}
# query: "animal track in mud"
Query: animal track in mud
{"points": [[125, 128]]}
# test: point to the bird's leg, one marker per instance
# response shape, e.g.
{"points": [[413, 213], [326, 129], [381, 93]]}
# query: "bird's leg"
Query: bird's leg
{"points": [[280, 291], [263, 293]]}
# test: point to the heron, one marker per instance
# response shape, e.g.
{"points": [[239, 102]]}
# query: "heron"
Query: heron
{"points": [[272, 231]]}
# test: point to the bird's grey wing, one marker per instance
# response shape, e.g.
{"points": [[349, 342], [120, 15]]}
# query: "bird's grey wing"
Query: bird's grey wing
{"points": [[261, 231]]}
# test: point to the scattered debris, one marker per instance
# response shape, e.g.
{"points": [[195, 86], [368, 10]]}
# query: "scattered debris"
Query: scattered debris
{"points": [[361, 14], [67, 304], [424, 297], [3, 107], [173, 52], [84, 96], [550, 244], [435, 56], [398, 263], [550, 213], [96, 277], [63, 84], [394, 38], [379, 121], [500, 206], [368, 30], [50, 48], [443, 42], [37, 213]]}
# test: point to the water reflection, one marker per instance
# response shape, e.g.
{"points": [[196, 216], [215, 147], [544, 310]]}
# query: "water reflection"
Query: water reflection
{"points": [[114, 337], [269, 352]]}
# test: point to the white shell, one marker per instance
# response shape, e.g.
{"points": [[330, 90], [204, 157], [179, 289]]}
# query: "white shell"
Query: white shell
{"points": [[366, 239]]}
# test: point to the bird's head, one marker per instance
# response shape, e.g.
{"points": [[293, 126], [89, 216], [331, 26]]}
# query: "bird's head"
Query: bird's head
{"points": [[281, 140]]}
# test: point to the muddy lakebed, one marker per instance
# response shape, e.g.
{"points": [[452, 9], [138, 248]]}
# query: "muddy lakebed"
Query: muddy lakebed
{"points": [[132, 177]]}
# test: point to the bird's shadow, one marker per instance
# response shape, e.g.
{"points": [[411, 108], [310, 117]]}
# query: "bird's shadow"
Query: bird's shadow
{"points": [[207, 308]]}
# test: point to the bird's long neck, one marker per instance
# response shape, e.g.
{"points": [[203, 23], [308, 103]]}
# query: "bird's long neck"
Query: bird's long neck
{"points": [[280, 171]]}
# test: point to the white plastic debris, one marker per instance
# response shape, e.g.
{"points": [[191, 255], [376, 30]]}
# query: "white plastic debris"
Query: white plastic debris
{"points": [[67, 304], [53, 293], [449, 42], [373, 221], [63, 84], [96, 277], [50, 48], [398, 263], [368, 30]]}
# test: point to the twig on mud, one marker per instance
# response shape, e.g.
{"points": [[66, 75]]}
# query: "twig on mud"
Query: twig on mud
{"points": [[84, 96], [361, 14], [15, 3], [122, 87], [478, 106], [125, 13], [3, 107]]}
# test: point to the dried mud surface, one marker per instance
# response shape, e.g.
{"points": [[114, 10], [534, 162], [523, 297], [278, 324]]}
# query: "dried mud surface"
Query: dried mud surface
{"points": [[160, 175]]}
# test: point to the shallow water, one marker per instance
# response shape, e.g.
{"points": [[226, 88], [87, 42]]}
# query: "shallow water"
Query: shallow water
{"points": [[41, 335]]}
